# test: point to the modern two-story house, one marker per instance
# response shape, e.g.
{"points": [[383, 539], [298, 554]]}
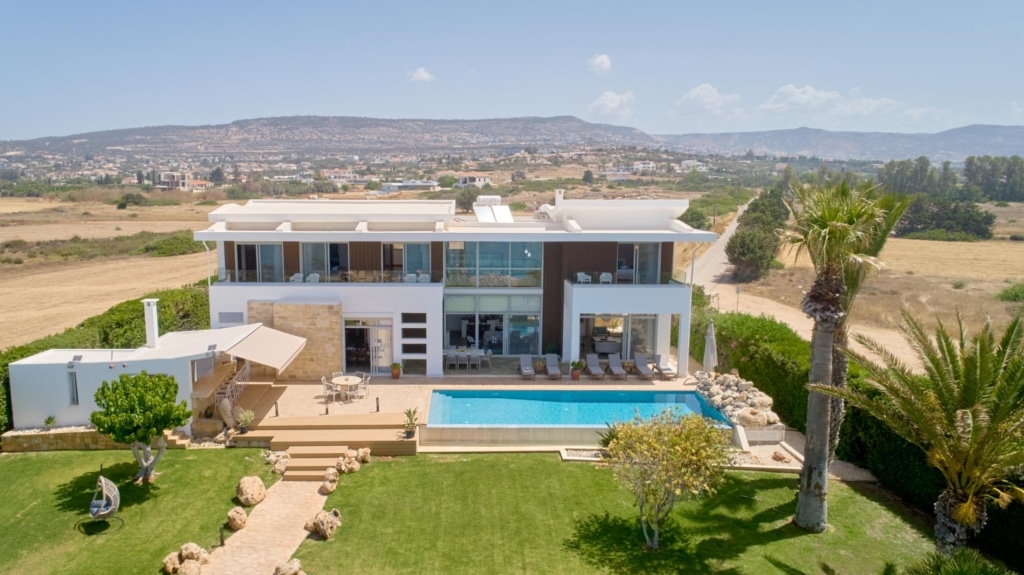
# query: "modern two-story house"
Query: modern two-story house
{"points": [[371, 282]]}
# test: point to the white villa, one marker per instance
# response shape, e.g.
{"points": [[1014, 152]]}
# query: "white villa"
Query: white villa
{"points": [[371, 282]]}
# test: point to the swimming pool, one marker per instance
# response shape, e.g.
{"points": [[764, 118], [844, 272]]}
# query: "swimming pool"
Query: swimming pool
{"points": [[557, 408]]}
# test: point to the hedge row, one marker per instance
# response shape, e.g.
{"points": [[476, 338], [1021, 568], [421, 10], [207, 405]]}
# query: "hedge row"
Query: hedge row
{"points": [[122, 326], [770, 354]]}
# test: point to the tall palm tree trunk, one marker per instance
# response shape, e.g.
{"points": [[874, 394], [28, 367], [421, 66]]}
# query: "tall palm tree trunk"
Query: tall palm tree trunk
{"points": [[812, 502], [837, 407]]}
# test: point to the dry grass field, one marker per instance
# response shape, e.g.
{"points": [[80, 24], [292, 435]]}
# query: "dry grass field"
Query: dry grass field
{"points": [[1009, 219], [931, 279]]}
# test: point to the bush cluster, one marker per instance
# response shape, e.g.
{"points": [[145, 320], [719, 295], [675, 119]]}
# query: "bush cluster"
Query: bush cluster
{"points": [[777, 360], [1013, 293], [177, 244], [756, 242]]}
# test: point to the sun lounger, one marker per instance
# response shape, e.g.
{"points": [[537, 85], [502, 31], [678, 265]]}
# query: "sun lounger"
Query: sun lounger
{"points": [[664, 369], [615, 366], [643, 366], [551, 362], [594, 367], [526, 367]]}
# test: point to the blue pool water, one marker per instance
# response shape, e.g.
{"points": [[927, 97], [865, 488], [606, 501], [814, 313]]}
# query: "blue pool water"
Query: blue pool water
{"points": [[557, 408]]}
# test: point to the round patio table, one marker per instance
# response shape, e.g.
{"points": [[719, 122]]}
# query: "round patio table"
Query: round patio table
{"points": [[348, 383]]}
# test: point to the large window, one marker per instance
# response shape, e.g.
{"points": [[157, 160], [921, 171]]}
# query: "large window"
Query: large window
{"points": [[638, 263], [259, 263], [406, 262], [503, 324], [330, 261], [493, 264]]}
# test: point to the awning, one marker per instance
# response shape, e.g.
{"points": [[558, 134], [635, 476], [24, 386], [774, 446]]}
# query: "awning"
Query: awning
{"points": [[269, 347]]}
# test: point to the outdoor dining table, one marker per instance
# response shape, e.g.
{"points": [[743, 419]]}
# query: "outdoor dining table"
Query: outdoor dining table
{"points": [[347, 383]]}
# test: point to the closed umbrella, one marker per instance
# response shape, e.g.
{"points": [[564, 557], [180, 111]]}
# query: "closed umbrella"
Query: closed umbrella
{"points": [[710, 350]]}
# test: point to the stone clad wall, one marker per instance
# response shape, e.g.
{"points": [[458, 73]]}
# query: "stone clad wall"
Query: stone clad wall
{"points": [[77, 440], [319, 323]]}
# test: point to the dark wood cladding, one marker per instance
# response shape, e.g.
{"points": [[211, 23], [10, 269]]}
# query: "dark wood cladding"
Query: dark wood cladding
{"points": [[291, 258], [553, 297], [364, 256], [591, 257], [666, 260], [229, 257], [436, 260]]}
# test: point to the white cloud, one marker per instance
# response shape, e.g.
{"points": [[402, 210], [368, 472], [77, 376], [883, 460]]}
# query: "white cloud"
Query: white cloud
{"points": [[830, 109], [612, 104], [600, 63], [708, 98], [421, 75], [789, 98]]}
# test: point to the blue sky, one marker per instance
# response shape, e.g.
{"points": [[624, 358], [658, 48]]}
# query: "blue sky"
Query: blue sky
{"points": [[664, 67]]}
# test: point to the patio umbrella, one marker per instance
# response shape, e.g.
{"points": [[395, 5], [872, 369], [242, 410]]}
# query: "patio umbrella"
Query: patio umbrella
{"points": [[710, 350]]}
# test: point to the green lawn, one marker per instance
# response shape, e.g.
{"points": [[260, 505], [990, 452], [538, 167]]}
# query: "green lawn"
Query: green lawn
{"points": [[531, 513], [45, 495]]}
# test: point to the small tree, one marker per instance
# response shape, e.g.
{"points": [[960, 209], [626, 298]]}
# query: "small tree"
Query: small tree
{"points": [[696, 219], [372, 185], [751, 250], [217, 175], [134, 410], [665, 458], [446, 181], [588, 177], [464, 201]]}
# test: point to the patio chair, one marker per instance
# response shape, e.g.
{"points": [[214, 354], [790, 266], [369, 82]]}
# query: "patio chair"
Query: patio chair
{"points": [[551, 363], [361, 391], [296, 277], [337, 374], [582, 278], [643, 366], [423, 278], [594, 367], [105, 500], [664, 369], [463, 360], [410, 278], [313, 278], [330, 390], [486, 356], [450, 359], [526, 367], [615, 366], [474, 358], [605, 278]]}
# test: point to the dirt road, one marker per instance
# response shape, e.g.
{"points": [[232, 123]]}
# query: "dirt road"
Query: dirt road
{"points": [[39, 304]]}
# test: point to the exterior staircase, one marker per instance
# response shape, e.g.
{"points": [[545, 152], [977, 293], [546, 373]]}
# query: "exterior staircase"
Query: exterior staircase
{"points": [[315, 443]]}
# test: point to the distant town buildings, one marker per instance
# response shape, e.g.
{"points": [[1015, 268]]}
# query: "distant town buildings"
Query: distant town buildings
{"points": [[174, 181], [410, 186], [473, 181]]}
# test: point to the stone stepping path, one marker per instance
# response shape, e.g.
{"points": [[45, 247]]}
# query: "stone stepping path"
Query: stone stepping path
{"points": [[272, 533]]}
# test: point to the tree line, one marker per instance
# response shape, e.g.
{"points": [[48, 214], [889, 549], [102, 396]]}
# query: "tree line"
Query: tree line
{"points": [[984, 178]]}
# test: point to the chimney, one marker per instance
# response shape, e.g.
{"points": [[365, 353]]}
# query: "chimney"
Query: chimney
{"points": [[152, 325]]}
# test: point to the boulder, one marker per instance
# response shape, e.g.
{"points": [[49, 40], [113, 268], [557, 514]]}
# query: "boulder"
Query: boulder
{"points": [[292, 567], [780, 456], [251, 491], [351, 454], [190, 567], [751, 417], [280, 466], [744, 385], [773, 417], [328, 487], [171, 563], [324, 523], [237, 518], [364, 455], [225, 412], [190, 551], [331, 474]]}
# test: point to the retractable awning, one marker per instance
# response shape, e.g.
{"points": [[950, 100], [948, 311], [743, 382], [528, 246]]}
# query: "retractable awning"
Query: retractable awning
{"points": [[269, 347]]}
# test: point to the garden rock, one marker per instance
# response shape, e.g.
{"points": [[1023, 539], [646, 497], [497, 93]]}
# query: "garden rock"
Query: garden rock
{"points": [[280, 466], [190, 567], [351, 454], [780, 456], [750, 417], [348, 464], [363, 455], [251, 491], [291, 567], [738, 400], [224, 410], [324, 523], [237, 518], [171, 563], [190, 551], [330, 481]]}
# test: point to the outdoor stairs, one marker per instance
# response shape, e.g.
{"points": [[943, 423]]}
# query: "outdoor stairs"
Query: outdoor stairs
{"points": [[315, 443], [176, 439]]}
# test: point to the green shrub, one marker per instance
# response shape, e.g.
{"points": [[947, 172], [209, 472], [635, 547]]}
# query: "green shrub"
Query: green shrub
{"points": [[1016, 238], [696, 219], [942, 236], [207, 203], [963, 561], [777, 265], [959, 284], [1014, 293], [1001, 204], [751, 250], [15, 245], [180, 243]]}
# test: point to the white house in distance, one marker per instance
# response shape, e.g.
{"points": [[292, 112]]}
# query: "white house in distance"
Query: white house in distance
{"points": [[204, 363], [402, 281], [472, 181]]}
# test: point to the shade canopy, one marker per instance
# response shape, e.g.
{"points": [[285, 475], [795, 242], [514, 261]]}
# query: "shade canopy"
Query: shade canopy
{"points": [[710, 350], [269, 347]]}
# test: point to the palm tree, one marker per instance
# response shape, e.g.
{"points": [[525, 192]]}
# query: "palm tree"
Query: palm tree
{"points": [[854, 274], [966, 412], [835, 226]]}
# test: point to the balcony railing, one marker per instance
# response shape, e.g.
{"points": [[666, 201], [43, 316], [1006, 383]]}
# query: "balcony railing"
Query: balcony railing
{"points": [[624, 277], [334, 277], [456, 278]]}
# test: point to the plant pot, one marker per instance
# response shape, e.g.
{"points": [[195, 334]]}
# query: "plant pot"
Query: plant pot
{"points": [[409, 433], [243, 429], [574, 374], [395, 373]]}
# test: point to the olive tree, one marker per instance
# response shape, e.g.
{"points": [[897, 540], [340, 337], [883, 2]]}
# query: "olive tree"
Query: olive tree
{"points": [[135, 409], [665, 458]]}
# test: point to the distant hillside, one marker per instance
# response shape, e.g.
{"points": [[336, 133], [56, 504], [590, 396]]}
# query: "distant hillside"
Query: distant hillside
{"points": [[350, 135], [342, 134], [955, 144]]}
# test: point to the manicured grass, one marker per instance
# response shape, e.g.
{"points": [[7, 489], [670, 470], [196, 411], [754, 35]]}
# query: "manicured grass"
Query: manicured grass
{"points": [[45, 496], [531, 513]]}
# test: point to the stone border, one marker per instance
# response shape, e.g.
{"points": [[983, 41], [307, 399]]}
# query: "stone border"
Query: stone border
{"points": [[66, 439]]}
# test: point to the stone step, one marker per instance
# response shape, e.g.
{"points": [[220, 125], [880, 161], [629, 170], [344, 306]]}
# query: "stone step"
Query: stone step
{"points": [[353, 421], [380, 441], [317, 451]]}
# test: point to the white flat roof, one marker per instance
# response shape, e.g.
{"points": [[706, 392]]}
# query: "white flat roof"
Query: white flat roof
{"points": [[300, 210]]}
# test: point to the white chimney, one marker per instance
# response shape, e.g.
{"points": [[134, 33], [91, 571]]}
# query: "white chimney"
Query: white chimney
{"points": [[152, 324]]}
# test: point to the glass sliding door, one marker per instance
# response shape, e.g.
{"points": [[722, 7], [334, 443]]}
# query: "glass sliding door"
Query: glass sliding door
{"points": [[648, 263], [271, 263], [523, 334], [337, 262], [314, 260], [642, 335], [417, 259], [247, 263]]}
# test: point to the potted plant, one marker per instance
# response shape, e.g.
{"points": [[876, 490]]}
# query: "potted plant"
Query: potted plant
{"points": [[49, 421], [396, 370], [244, 418], [575, 368], [410, 422]]}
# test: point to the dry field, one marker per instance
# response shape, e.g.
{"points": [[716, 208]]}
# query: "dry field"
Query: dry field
{"points": [[1009, 220], [921, 276]]}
